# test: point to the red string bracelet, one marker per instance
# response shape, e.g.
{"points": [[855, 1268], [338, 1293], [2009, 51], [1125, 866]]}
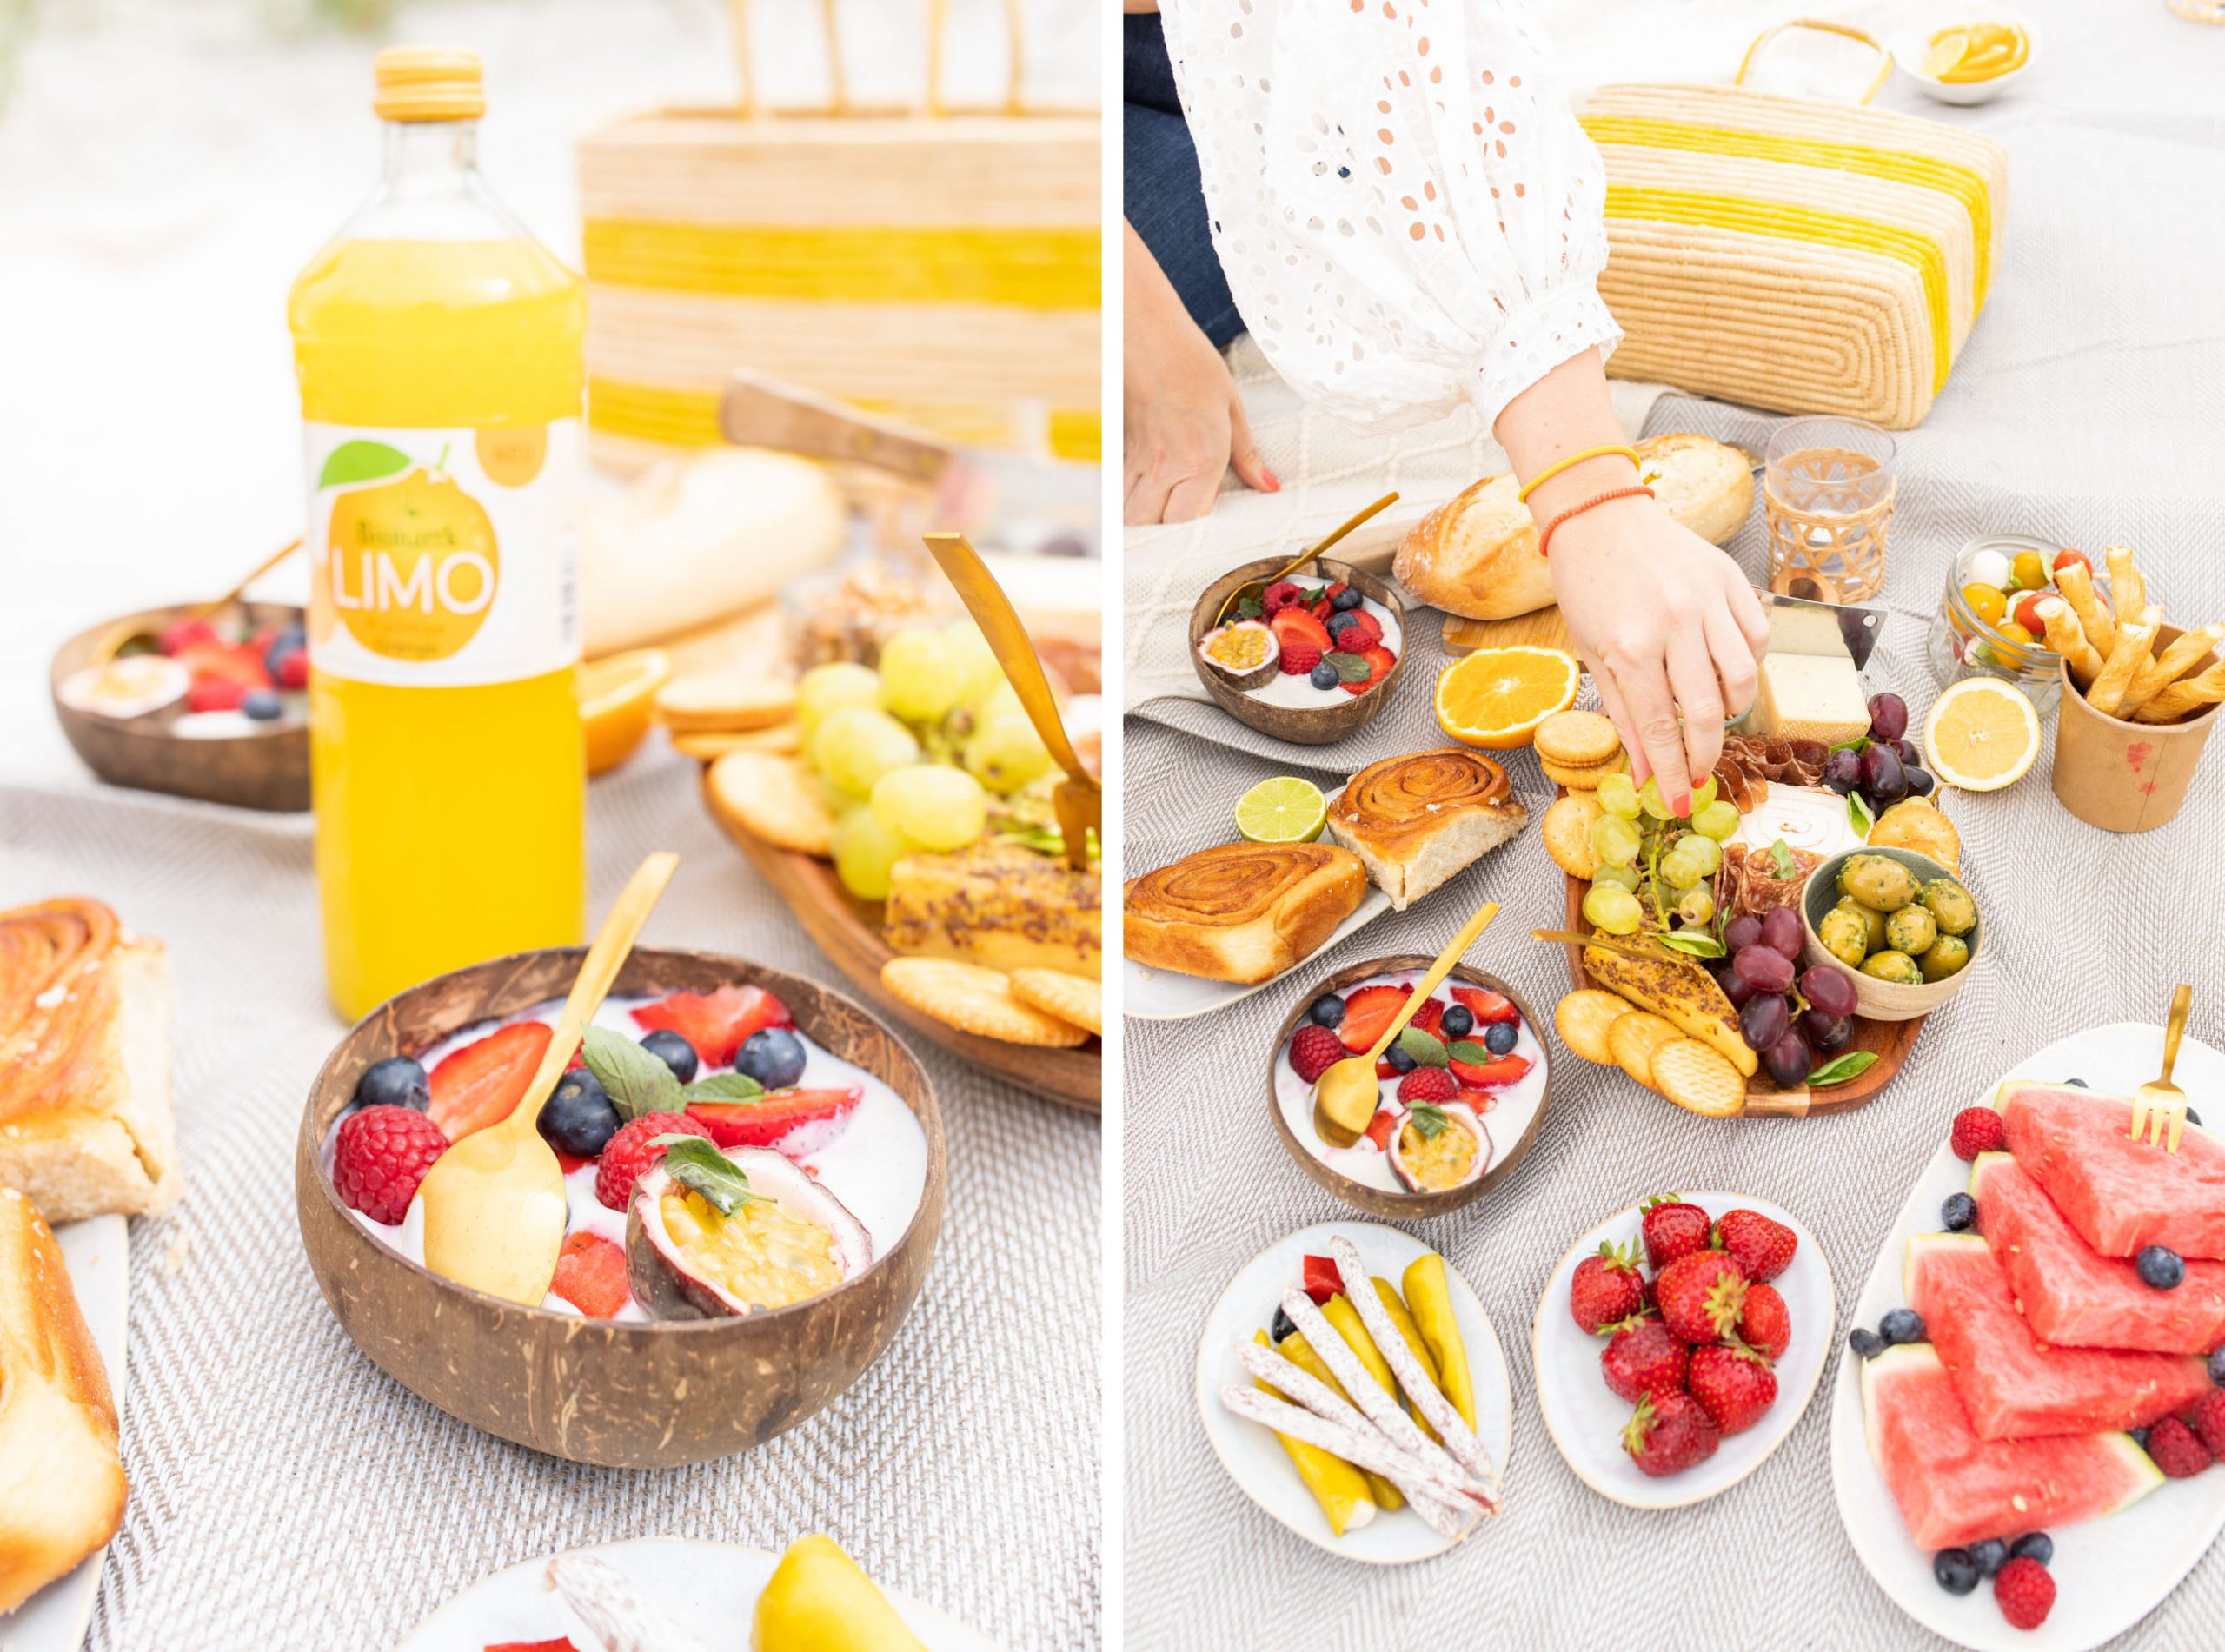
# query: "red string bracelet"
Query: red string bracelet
{"points": [[1545, 537]]}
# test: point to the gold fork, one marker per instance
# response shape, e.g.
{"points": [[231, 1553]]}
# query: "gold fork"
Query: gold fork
{"points": [[2159, 1101]]}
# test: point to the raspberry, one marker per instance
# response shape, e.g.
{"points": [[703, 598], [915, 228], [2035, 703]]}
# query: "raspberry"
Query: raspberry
{"points": [[381, 1157], [1978, 1130], [1314, 1050], [1364, 632], [2176, 1451], [632, 1150], [293, 669], [1432, 1085], [2208, 1422], [1279, 596], [1299, 657], [2024, 1592]]}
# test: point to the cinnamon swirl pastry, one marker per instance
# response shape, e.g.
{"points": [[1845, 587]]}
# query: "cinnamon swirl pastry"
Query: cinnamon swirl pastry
{"points": [[1239, 912], [86, 1124], [1415, 821]]}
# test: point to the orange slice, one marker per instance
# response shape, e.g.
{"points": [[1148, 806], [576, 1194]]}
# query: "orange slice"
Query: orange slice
{"points": [[615, 693], [1981, 735], [1496, 697]]}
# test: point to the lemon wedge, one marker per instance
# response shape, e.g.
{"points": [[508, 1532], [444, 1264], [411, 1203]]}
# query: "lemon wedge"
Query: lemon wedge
{"points": [[615, 693], [1947, 48]]}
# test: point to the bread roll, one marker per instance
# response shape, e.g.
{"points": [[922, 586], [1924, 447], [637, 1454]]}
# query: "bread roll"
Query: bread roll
{"points": [[1240, 912], [1414, 822]]}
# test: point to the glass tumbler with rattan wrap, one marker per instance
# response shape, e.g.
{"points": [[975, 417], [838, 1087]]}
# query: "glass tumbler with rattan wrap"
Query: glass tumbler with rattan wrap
{"points": [[1827, 493]]}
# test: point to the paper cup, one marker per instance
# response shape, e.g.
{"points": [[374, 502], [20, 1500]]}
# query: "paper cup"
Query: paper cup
{"points": [[2121, 776]]}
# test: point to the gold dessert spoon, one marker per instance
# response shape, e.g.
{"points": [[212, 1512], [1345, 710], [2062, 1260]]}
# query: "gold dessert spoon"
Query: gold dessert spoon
{"points": [[1345, 1095], [1078, 799], [2159, 1106], [1307, 554], [494, 1202], [123, 631]]}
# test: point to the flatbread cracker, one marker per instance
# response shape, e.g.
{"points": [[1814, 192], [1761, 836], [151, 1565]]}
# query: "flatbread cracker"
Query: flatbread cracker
{"points": [[1697, 1079], [1567, 833], [1071, 998], [782, 739], [1577, 738], [1585, 780], [975, 1000], [772, 798], [711, 704], [1634, 1037], [1582, 1018]]}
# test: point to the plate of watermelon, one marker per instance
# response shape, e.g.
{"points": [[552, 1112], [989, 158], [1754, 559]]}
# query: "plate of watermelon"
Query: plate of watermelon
{"points": [[2030, 1358]]}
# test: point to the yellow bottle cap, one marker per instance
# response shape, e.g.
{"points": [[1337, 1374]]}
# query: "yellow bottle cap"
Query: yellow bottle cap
{"points": [[428, 84]]}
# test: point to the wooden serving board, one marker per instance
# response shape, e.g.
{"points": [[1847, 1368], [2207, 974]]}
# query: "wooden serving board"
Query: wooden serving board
{"points": [[848, 931], [1543, 629]]}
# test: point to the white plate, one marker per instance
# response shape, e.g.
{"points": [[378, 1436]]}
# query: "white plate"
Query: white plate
{"points": [[1909, 48], [97, 1254], [1255, 1458], [1585, 1416], [2111, 1573], [714, 1585]]}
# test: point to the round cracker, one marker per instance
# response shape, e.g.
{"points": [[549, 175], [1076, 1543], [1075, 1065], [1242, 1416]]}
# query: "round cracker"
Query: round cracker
{"points": [[709, 703], [1698, 1078], [1567, 833], [772, 799], [1071, 998], [1633, 1039], [975, 1000], [1585, 780], [1577, 738], [783, 740], [1582, 1018]]}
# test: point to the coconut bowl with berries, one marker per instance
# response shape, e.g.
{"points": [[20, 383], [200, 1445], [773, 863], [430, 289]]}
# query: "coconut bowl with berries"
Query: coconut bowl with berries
{"points": [[1308, 660], [755, 1174]]}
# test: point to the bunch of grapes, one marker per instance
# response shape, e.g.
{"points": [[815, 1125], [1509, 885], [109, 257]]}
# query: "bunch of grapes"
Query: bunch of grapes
{"points": [[1789, 1021], [1883, 765], [1656, 867]]}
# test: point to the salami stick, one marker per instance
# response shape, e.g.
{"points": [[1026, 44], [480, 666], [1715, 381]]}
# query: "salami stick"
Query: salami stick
{"points": [[1380, 1408], [607, 1604], [1428, 1398], [1362, 1449], [1317, 1396]]}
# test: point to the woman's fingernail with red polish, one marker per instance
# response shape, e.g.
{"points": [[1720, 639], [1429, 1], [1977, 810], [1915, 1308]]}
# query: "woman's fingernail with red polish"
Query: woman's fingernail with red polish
{"points": [[1274, 482]]}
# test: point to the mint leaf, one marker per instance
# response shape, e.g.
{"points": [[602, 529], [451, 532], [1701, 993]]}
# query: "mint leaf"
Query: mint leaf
{"points": [[697, 1165], [1422, 1047], [1249, 608], [1695, 943], [723, 1087], [1781, 858], [1469, 1053], [353, 462], [1350, 668], [1860, 742], [635, 1081], [1429, 1121], [1857, 815], [1838, 1070]]}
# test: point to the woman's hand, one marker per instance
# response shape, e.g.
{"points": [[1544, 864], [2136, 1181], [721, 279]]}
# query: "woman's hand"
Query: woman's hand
{"points": [[1183, 424]]}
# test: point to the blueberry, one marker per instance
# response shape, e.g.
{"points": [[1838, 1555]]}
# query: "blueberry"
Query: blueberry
{"points": [[1460, 1021], [1501, 1037], [2140, 1438], [1956, 1572], [1324, 676], [674, 1051], [1346, 600], [2159, 1268], [1328, 1010], [2217, 1366], [773, 1057], [396, 1082], [2080, 1083], [1990, 1555], [1902, 1326], [1340, 622], [2193, 1118], [264, 704], [578, 1117], [1401, 1060], [1958, 1212], [1281, 1328], [1865, 1341], [2033, 1545]]}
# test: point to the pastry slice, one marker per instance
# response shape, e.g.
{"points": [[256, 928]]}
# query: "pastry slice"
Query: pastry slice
{"points": [[1240, 912], [1414, 822]]}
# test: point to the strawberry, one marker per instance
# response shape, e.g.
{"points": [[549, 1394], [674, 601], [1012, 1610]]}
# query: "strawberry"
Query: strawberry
{"points": [[1606, 1288], [1701, 1295], [293, 669], [479, 1085], [794, 1122], [632, 1149], [1295, 625], [2175, 1449], [1643, 1357], [1733, 1385], [1321, 609], [234, 662], [1764, 1323], [1298, 657], [1478, 1101], [1322, 1279], [1486, 1005], [562, 1643], [1978, 1130], [717, 1024], [215, 694], [591, 1274], [1760, 1246], [1384, 1069], [2208, 1420], [1430, 1017], [1668, 1433], [180, 634], [1367, 1011], [1499, 1071], [1673, 1229], [1278, 596], [1334, 589], [1380, 661], [1314, 1050], [1427, 1084], [380, 1156], [2025, 1593], [1382, 1127]]}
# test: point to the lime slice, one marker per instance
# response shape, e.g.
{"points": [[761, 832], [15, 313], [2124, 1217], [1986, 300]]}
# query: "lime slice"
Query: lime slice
{"points": [[1283, 810]]}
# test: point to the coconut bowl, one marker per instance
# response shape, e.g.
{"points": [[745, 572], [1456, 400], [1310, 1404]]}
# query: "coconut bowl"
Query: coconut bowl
{"points": [[1874, 999], [1300, 725], [265, 769], [1401, 1204], [592, 1391]]}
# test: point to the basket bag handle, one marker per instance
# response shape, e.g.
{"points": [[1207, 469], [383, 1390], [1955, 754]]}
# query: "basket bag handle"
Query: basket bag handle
{"points": [[1821, 25], [840, 104]]}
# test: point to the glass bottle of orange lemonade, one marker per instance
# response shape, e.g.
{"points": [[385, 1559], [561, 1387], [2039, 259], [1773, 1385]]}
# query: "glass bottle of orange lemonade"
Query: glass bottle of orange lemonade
{"points": [[438, 346]]}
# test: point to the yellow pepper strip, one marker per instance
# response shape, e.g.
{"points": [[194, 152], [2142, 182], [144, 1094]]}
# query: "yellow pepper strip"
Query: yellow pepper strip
{"points": [[1432, 1299], [1295, 1348], [1395, 1305], [1340, 1488]]}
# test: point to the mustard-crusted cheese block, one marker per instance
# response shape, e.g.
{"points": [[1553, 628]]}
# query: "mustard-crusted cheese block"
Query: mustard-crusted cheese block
{"points": [[1810, 697]]}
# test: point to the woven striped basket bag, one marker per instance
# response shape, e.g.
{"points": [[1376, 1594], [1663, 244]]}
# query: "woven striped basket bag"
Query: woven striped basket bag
{"points": [[936, 264]]}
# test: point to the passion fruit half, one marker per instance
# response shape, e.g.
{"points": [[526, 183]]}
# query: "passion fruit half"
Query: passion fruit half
{"points": [[1452, 1155], [1244, 652], [786, 1240]]}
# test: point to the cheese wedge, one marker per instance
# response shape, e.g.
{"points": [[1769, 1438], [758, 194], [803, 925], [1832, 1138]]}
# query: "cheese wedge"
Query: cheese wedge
{"points": [[1805, 696]]}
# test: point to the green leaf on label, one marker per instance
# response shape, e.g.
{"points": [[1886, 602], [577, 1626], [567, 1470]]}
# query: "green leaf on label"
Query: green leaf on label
{"points": [[1781, 859], [1695, 943], [1429, 1122], [354, 461], [635, 1081], [1469, 1052], [1839, 1069], [1350, 668], [697, 1165], [1857, 815], [1422, 1046], [723, 1087]]}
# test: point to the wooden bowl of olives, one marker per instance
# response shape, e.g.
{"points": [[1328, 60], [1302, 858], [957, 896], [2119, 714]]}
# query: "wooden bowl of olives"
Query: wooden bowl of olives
{"points": [[1897, 924]]}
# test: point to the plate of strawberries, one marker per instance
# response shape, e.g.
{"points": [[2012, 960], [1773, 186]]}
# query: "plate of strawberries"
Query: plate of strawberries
{"points": [[1678, 1342]]}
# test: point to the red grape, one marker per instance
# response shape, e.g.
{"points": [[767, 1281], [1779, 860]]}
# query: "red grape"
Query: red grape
{"points": [[1765, 1019], [1828, 990], [1787, 1061], [1781, 932], [1828, 1033], [1764, 969], [1883, 780], [1889, 717], [1741, 933], [1735, 987], [1842, 772]]}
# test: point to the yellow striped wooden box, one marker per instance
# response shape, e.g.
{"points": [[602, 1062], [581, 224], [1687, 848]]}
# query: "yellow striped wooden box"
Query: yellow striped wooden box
{"points": [[940, 269], [1803, 257]]}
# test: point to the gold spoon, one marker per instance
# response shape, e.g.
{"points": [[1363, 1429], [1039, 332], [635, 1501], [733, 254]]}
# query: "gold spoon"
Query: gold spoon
{"points": [[2159, 1105], [1345, 1096], [494, 1202], [123, 631], [1306, 555], [1078, 799]]}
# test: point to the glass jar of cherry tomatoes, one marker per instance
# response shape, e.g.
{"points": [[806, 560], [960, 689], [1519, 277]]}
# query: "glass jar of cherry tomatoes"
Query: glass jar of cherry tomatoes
{"points": [[1991, 581]]}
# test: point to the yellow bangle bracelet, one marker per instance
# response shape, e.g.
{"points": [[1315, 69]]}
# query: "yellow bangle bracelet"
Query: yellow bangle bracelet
{"points": [[1555, 469]]}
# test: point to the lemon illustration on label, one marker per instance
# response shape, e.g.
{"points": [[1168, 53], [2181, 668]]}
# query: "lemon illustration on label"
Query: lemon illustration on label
{"points": [[511, 454], [410, 565]]}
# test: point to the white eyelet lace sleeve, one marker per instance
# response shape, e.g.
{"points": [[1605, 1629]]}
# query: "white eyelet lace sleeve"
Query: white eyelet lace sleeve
{"points": [[1407, 212]]}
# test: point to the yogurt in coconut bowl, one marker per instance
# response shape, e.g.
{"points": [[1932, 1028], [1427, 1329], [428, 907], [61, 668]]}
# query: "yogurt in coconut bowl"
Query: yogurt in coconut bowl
{"points": [[1307, 659]]}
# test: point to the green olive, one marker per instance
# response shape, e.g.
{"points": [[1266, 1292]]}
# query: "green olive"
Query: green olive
{"points": [[1844, 937], [1848, 868], [1911, 931], [1945, 956], [1875, 880], [1897, 967], [1950, 907], [1873, 923]]}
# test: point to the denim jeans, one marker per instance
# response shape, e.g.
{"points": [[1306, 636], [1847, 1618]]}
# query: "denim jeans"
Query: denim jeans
{"points": [[1161, 193]]}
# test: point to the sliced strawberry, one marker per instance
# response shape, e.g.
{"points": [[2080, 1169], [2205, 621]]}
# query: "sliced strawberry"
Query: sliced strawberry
{"points": [[1380, 661], [1487, 1005], [1322, 609], [228, 662], [1477, 1101], [569, 1162], [180, 634], [1381, 1127], [1334, 589], [1384, 1069], [1322, 1279], [215, 694], [1489, 1075], [591, 1274], [1367, 1011], [716, 1024], [1300, 622], [1430, 1016], [479, 1085], [790, 1121], [562, 1643]]}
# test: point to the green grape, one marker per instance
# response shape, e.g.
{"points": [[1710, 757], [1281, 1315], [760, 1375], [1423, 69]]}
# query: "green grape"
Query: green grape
{"points": [[1618, 796], [856, 746], [1621, 877], [1648, 798], [1681, 869], [864, 851], [973, 660], [1696, 906], [1703, 794], [1718, 821], [920, 680], [1704, 850], [1615, 839], [932, 806], [1613, 909], [1006, 753], [825, 689]]}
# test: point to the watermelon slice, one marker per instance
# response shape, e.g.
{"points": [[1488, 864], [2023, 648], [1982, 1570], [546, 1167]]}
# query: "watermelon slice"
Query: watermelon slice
{"points": [[1953, 1489], [2013, 1385], [2121, 1194], [2077, 1297]]}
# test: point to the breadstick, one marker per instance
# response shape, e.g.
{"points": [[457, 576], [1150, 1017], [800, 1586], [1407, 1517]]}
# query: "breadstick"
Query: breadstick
{"points": [[2182, 699], [2169, 666], [2127, 590], [2129, 654], [2068, 639], [2075, 581]]}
